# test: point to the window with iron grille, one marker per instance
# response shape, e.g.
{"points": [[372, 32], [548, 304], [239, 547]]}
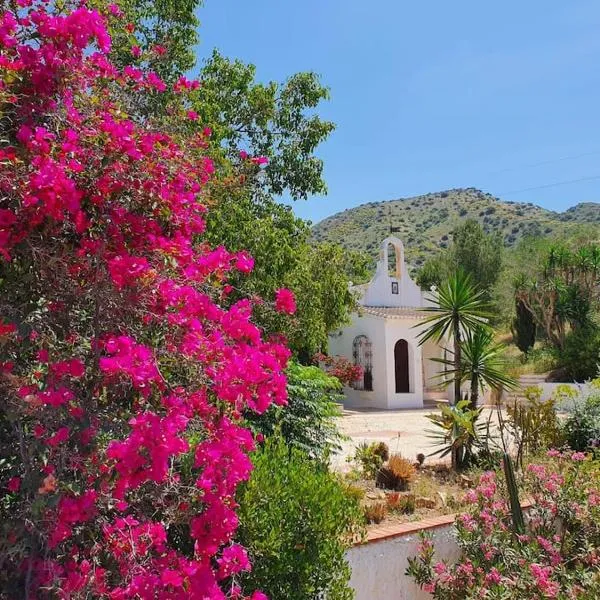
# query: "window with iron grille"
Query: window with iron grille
{"points": [[363, 356]]}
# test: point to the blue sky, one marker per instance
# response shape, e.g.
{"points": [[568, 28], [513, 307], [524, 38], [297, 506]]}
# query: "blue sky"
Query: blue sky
{"points": [[431, 95]]}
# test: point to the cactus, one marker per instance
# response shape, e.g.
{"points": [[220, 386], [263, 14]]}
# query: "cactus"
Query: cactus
{"points": [[513, 493]]}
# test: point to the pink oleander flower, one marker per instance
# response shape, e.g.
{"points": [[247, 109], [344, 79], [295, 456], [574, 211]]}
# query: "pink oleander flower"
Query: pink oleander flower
{"points": [[285, 301]]}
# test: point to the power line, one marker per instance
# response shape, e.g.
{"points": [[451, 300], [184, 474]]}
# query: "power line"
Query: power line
{"points": [[544, 162], [549, 185]]}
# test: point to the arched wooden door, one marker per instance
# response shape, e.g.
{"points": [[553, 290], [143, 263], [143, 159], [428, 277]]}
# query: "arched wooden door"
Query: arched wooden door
{"points": [[401, 367]]}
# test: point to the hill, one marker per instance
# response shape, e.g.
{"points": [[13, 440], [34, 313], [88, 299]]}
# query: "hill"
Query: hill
{"points": [[426, 222]]}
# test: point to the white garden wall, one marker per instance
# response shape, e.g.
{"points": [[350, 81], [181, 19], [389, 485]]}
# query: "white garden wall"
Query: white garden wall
{"points": [[379, 565]]}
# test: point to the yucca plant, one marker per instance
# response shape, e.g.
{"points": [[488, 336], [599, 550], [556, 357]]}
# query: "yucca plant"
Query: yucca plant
{"points": [[459, 308], [481, 364]]}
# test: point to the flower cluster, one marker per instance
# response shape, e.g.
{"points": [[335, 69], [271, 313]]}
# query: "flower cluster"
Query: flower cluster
{"points": [[340, 367], [126, 380], [555, 557]]}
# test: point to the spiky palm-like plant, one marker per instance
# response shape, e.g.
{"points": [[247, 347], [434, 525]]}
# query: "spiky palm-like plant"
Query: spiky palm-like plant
{"points": [[482, 363], [459, 308]]}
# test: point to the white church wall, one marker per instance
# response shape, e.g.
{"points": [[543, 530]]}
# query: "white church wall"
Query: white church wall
{"points": [[342, 345], [403, 329]]}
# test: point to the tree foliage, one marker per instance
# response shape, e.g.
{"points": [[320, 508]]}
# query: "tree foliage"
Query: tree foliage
{"points": [[562, 291], [297, 521], [276, 120], [307, 422], [472, 250], [318, 274]]}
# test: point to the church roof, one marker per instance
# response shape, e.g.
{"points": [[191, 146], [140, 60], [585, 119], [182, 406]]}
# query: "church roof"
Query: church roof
{"points": [[393, 312]]}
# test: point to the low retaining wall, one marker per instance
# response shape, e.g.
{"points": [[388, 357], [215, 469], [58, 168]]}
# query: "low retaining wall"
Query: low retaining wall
{"points": [[379, 564]]}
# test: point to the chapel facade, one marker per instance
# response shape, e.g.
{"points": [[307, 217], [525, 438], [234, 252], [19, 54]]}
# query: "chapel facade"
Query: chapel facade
{"points": [[383, 339]]}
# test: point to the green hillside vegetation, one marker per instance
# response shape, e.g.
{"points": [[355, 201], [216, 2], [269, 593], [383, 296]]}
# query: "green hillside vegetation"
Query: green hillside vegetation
{"points": [[426, 222]]}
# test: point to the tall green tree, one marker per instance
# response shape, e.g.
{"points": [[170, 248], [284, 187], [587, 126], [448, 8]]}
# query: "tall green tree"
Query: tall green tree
{"points": [[523, 328], [474, 251], [459, 309], [561, 292], [318, 274], [274, 120]]}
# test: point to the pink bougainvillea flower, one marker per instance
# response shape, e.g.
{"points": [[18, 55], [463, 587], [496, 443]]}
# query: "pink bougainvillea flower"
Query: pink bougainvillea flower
{"points": [[285, 301], [14, 484]]}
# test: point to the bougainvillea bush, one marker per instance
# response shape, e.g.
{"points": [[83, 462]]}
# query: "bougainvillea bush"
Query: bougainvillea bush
{"points": [[124, 371], [557, 555]]}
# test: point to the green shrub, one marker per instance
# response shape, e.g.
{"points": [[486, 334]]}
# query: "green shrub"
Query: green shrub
{"points": [[297, 521], [581, 354], [370, 457], [582, 428], [307, 422]]}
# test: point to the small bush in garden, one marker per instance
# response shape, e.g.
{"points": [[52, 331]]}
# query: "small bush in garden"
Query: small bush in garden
{"points": [[296, 521], [557, 554], [580, 355], [457, 433], [375, 513], [396, 474], [370, 457], [353, 491], [582, 428]]}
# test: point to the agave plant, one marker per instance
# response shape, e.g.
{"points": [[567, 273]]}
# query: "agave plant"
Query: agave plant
{"points": [[457, 432]]}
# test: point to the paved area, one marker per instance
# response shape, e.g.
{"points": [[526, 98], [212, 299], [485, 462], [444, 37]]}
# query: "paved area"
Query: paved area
{"points": [[404, 431]]}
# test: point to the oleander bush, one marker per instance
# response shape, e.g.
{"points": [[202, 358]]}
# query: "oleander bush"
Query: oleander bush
{"points": [[556, 556]]}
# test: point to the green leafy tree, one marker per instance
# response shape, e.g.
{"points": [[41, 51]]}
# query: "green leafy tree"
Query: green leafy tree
{"points": [[319, 274], [562, 292], [275, 120], [459, 309], [297, 520], [307, 422], [472, 250]]}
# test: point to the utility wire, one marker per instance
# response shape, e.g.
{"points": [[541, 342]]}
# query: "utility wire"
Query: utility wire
{"points": [[544, 162], [548, 185]]}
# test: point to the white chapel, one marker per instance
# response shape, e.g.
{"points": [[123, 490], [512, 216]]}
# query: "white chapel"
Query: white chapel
{"points": [[383, 339]]}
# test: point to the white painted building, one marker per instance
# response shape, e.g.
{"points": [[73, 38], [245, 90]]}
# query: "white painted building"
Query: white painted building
{"points": [[383, 339]]}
